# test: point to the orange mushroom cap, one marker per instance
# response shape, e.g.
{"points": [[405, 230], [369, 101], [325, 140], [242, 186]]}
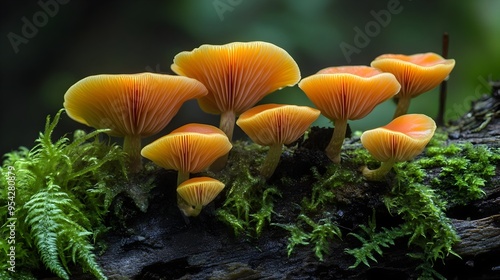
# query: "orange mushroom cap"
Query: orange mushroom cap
{"points": [[402, 139], [237, 75], [270, 124], [189, 148], [200, 191], [349, 92], [130, 104], [416, 73]]}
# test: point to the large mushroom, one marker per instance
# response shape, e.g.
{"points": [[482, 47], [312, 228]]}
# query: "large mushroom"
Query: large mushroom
{"points": [[402, 139], [190, 148], [274, 125], [132, 106], [237, 76], [416, 73], [347, 93], [195, 193]]}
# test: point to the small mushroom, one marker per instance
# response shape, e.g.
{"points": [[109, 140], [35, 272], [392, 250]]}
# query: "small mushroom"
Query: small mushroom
{"points": [[347, 93], [237, 76], [133, 106], [274, 125], [402, 139], [195, 193], [190, 148], [416, 73]]}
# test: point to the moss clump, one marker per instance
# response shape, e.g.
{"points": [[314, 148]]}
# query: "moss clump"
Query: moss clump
{"points": [[373, 241], [463, 170], [308, 232], [315, 226], [58, 193], [249, 199]]}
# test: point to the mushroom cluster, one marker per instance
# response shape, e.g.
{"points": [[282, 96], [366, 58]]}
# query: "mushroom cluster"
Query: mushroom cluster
{"points": [[230, 80], [237, 76]]}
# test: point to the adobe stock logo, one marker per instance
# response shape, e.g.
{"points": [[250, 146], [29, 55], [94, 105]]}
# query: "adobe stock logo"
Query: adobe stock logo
{"points": [[225, 6], [39, 19], [372, 29]]}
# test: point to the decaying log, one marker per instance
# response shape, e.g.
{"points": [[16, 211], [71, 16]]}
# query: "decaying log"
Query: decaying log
{"points": [[478, 236], [160, 245]]}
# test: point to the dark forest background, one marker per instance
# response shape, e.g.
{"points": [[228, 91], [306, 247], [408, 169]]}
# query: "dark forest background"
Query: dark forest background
{"points": [[69, 40]]}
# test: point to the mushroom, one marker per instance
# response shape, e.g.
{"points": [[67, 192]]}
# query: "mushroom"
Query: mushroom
{"points": [[195, 193], [416, 73], [190, 148], [274, 125], [237, 76], [402, 139], [132, 106], [347, 93]]}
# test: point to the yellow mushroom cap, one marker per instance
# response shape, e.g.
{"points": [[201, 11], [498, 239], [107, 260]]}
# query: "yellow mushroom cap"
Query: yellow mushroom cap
{"points": [[130, 104], [189, 148], [200, 191], [270, 124], [402, 139], [349, 92], [237, 75], [416, 73]]}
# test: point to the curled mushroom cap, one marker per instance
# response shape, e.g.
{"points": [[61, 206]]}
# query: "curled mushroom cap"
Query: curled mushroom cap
{"points": [[274, 125], [188, 149], [347, 93], [130, 105], [401, 140], [416, 73], [196, 193]]}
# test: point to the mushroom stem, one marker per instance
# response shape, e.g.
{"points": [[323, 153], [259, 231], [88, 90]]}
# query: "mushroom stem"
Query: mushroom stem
{"points": [[186, 209], [379, 173], [335, 145], [227, 120], [181, 177], [271, 161], [402, 107], [132, 146]]}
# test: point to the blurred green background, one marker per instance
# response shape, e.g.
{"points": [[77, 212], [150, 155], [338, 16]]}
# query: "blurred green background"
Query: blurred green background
{"points": [[74, 39]]}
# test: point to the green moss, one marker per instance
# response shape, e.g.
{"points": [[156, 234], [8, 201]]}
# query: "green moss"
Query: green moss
{"points": [[249, 200], [373, 241], [460, 171], [59, 195], [308, 232], [324, 186], [315, 226], [463, 170]]}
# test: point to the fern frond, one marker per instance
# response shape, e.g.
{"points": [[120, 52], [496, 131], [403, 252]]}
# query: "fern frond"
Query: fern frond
{"points": [[52, 217], [45, 216]]}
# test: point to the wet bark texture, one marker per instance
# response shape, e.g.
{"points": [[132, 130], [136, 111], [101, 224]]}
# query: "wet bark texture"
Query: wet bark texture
{"points": [[160, 244]]}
